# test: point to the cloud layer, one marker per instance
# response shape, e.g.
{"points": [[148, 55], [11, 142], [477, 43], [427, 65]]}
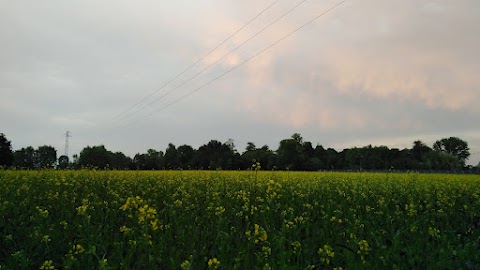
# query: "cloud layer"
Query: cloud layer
{"points": [[380, 72]]}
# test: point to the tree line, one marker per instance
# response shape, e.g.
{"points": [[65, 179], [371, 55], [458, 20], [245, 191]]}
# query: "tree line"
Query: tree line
{"points": [[448, 154]]}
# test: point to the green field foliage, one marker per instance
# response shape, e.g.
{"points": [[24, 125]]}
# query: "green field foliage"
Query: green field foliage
{"points": [[238, 220]]}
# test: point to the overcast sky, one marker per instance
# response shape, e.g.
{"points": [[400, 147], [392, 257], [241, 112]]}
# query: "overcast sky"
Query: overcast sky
{"points": [[380, 72]]}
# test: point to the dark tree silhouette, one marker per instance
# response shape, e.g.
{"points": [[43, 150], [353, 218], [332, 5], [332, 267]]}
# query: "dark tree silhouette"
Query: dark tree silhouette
{"points": [[290, 153], [95, 156], [24, 158], [63, 162], [455, 147], [45, 157], [6, 153], [152, 160], [449, 154]]}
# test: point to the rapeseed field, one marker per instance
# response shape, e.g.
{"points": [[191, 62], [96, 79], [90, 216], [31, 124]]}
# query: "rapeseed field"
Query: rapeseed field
{"points": [[238, 220]]}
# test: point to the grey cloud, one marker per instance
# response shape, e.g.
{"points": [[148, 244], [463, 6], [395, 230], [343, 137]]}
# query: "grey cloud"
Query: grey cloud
{"points": [[385, 71]]}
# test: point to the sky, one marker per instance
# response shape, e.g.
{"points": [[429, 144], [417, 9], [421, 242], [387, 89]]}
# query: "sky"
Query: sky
{"points": [[135, 75]]}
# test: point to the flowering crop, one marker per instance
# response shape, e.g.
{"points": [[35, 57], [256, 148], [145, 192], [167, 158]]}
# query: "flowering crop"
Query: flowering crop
{"points": [[238, 220]]}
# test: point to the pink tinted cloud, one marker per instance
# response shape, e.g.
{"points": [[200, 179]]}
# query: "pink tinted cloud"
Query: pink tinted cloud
{"points": [[436, 80], [387, 58], [278, 104], [421, 52]]}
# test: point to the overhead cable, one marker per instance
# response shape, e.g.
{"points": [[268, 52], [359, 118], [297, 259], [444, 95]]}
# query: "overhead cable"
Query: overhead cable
{"points": [[195, 63], [218, 60], [242, 63]]}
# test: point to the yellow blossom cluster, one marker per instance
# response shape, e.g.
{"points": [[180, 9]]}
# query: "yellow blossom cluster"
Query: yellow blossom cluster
{"points": [[273, 189], [47, 265], [213, 263], [363, 249], [265, 220], [76, 250], [259, 234], [326, 254]]}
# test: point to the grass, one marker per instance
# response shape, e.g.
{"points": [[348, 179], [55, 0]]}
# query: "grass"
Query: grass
{"points": [[238, 220]]}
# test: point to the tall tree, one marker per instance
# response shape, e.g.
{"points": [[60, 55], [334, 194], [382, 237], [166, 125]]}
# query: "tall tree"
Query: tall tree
{"points": [[311, 163], [439, 160], [95, 156], [419, 152], [320, 155], [171, 157], [250, 147], [119, 161], [355, 159], [6, 153], [252, 154], [24, 158], [75, 164], [454, 146], [231, 144], [400, 159], [290, 153], [216, 155], [63, 162], [152, 160], [45, 157], [186, 156], [332, 159]]}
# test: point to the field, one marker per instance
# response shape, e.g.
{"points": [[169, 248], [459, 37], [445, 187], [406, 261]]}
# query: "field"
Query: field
{"points": [[238, 220]]}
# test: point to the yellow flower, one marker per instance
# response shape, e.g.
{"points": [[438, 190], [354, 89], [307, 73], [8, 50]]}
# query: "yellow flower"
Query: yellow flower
{"points": [[296, 247], [151, 212], [146, 213], [143, 209], [178, 203], [326, 253], [126, 206], [42, 212], [267, 251], [47, 265], [154, 224], [434, 232], [132, 202], [64, 224], [213, 263], [148, 238], [78, 249], [260, 234], [186, 265], [124, 229], [410, 208], [82, 210], [363, 249], [46, 238], [219, 210]]}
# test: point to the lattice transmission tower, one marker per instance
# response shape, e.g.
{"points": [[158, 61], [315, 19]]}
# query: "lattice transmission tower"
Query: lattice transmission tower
{"points": [[68, 134]]}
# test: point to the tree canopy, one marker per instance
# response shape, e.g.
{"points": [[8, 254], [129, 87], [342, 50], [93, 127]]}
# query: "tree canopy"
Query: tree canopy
{"points": [[6, 154], [101, 158], [455, 147], [44, 157], [294, 153]]}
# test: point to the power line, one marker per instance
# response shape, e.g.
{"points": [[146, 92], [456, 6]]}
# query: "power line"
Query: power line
{"points": [[218, 60], [195, 63], [244, 62]]}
